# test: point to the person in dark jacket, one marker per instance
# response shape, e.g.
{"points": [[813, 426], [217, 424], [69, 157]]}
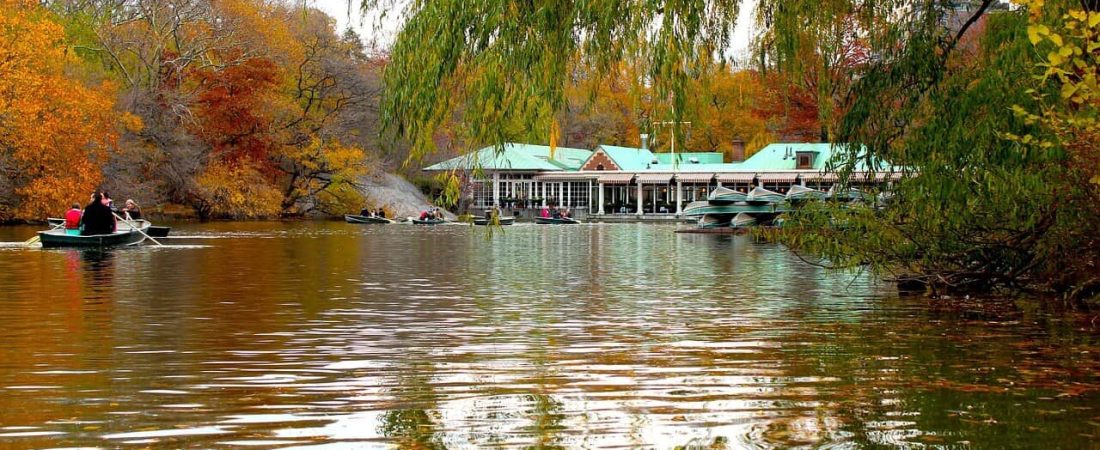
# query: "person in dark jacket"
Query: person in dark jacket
{"points": [[97, 218]]}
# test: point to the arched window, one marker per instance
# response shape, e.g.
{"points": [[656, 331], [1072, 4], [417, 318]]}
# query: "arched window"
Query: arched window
{"points": [[599, 166]]}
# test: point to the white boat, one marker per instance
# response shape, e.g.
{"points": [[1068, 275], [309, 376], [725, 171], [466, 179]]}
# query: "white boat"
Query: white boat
{"points": [[724, 196], [845, 195], [742, 220], [761, 195], [799, 192], [714, 220]]}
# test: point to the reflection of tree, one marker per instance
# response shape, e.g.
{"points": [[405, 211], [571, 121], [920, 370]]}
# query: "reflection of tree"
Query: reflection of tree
{"points": [[548, 417], [411, 428], [410, 424]]}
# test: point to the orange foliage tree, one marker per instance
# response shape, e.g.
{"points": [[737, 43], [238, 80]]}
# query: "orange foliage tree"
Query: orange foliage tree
{"points": [[55, 131]]}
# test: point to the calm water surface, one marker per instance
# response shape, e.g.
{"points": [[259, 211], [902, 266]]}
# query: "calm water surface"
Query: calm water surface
{"points": [[281, 335]]}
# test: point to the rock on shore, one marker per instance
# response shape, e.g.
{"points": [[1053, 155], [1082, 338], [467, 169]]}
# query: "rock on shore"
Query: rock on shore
{"points": [[396, 193]]}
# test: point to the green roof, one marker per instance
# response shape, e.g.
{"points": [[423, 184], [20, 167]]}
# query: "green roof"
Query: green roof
{"points": [[691, 158], [520, 157], [783, 156], [628, 158], [536, 158]]}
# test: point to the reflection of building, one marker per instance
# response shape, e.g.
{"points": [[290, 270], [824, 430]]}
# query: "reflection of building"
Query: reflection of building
{"points": [[610, 180]]}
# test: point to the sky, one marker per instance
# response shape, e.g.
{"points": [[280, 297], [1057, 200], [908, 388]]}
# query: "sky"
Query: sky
{"points": [[383, 36]]}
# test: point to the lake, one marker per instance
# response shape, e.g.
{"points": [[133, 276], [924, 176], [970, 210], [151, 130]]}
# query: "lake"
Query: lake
{"points": [[330, 335]]}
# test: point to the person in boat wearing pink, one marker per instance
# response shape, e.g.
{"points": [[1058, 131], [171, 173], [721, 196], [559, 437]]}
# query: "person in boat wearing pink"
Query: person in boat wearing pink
{"points": [[97, 218], [545, 213], [72, 219]]}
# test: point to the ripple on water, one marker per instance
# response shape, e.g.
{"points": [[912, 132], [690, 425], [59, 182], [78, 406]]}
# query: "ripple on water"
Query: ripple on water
{"points": [[613, 336]]}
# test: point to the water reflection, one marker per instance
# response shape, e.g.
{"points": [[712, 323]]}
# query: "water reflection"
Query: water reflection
{"points": [[292, 334]]}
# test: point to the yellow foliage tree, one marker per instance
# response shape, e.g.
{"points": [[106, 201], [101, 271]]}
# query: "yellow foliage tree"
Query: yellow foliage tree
{"points": [[237, 191], [54, 130]]}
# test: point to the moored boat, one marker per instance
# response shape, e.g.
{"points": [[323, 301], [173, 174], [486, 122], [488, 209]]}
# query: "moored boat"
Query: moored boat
{"points": [[697, 209], [742, 220], [125, 235], [714, 220], [851, 194], [724, 196], [760, 195], [354, 218], [799, 192], [556, 220], [486, 221]]}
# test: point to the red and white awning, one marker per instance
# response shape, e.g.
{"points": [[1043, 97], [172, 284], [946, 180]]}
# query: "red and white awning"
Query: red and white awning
{"points": [[654, 178], [829, 177], [615, 178], [736, 177], [694, 177], [778, 177]]}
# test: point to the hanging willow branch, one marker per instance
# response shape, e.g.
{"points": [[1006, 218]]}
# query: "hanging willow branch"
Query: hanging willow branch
{"points": [[500, 67]]}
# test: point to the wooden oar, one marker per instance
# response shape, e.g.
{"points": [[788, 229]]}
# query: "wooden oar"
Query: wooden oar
{"points": [[36, 238], [135, 227]]}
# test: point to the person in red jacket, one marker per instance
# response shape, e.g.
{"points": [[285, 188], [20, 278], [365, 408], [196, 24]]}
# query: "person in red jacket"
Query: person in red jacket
{"points": [[72, 219]]}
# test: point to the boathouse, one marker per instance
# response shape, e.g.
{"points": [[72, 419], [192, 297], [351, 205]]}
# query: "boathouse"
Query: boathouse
{"points": [[610, 181]]}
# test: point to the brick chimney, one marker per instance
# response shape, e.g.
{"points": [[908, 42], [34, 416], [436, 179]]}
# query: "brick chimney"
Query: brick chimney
{"points": [[738, 152]]}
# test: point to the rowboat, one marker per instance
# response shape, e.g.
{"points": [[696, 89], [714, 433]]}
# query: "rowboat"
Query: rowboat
{"points": [[156, 232], [125, 235], [152, 231], [485, 220], [760, 195], [742, 220], [428, 221], [714, 221], [697, 209], [556, 221], [724, 196], [845, 195], [354, 218], [799, 192]]}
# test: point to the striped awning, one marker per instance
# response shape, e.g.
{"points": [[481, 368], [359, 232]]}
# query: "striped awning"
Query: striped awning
{"points": [[879, 176], [829, 177], [736, 177], [778, 177], [564, 176], [654, 178], [615, 178], [694, 177]]}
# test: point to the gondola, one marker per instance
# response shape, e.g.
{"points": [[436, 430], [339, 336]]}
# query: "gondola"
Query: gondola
{"points": [[125, 235], [353, 218], [503, 220], [556, 220]]}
